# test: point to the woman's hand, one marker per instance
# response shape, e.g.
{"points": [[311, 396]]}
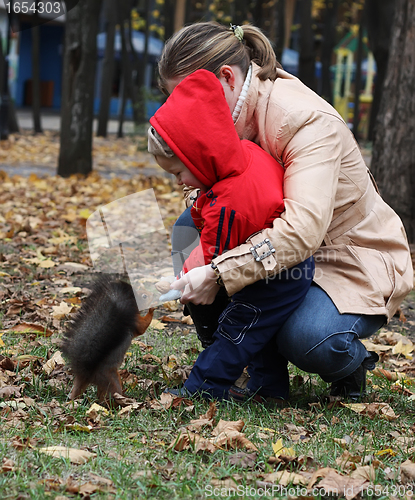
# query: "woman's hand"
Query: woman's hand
{"points": [[199, 286]]}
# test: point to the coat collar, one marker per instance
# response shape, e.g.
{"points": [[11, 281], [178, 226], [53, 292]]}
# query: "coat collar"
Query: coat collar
{"points": [[257, 96]]}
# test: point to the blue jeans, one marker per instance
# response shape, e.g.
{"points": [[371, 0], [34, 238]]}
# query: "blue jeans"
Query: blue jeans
{"points": [[246, 335], [316, 337]]}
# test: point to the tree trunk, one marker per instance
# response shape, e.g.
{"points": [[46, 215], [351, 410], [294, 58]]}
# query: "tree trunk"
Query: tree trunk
{"points": [[79, 66], [379, 15], [169, 8], [280, 28], [11, 126], [179, 14], [37, 126], [107, 70], [120, 132], [289, 17], [393, 161], [307, 61], [358, 81], [13, 123], [329, 42], [142, 70], [126, 64]]}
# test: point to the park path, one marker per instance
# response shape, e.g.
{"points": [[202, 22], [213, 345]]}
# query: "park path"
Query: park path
{"points": [[51, 125]]}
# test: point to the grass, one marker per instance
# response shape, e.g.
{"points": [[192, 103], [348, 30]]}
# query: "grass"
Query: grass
{"points": [[133, 453]]}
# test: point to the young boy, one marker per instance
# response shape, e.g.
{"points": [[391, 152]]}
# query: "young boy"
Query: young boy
{"points": [[240, 194]]}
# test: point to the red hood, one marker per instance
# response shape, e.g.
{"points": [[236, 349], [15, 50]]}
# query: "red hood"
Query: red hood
{"points": [[197, 125]]}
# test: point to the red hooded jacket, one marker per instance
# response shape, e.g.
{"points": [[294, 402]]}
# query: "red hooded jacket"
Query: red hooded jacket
{"points": [[245, 183]]}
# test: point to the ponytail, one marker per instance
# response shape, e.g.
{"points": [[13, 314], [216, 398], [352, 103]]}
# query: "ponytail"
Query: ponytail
{"points": [[212, 45], [261, 52]]}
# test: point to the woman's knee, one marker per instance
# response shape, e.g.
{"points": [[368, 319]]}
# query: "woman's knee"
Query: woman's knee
{"points": [[318, 339], [332, 357]]}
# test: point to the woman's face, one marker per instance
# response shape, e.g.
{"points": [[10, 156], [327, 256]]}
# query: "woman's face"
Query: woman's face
{"points": [[230, 77]]}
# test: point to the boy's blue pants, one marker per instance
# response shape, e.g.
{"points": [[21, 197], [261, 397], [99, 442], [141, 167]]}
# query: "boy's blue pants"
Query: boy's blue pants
{"points": [[246, 336]]}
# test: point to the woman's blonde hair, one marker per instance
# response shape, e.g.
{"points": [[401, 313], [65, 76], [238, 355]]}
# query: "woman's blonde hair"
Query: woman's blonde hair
{"points": [[212, 45]]}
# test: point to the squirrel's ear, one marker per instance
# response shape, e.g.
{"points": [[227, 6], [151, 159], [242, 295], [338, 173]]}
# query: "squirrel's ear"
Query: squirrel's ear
{"points": [[143, 322]]}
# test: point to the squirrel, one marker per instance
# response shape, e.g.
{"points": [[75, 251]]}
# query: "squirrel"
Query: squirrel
{"points": [[100, 334]]}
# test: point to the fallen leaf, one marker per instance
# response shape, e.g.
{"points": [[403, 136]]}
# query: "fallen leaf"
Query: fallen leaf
{"points": [[158, 325], [228, 484], [234, 439], [47, 264], [30, 328], [405, 349], [8, 465], [70, 289], [187, 320], [60, 311], [74, 455], [205, 420], [8, 391], [279, 449], [243, 460], [284, 478], [96, 410], [366, 472], [372, 410], [228, 425], [78, 428], [337, 484], [187, 439], [392, 376], [407, 472], [53, 362]]}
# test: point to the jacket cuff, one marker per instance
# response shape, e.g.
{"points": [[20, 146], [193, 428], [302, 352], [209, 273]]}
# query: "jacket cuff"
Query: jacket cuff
{"points": [[189, 194], [240, 266]]}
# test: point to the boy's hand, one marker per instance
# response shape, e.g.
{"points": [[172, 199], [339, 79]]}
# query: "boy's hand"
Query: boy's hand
{"points": [[199, 286]]}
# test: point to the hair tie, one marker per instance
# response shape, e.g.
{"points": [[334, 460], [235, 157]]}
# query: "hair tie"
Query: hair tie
{"points": [[238, 32]]}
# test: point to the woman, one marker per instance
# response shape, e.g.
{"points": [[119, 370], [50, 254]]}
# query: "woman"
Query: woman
{"points": [[332, 211]]}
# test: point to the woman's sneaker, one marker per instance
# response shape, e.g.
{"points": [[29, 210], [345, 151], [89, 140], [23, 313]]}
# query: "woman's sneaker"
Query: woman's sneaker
{"points": [[353, 386], [241, 395]]}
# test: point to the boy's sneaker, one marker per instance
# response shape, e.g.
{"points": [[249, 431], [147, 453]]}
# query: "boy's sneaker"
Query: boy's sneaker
{"points": [[241, 395], [179, 391]]}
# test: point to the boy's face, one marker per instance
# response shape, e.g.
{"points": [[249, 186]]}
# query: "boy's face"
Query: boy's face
{"points": [[183, 175]]}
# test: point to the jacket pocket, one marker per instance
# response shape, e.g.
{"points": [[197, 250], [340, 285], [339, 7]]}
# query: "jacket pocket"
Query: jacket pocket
{"points": [[377, 267], [236, 320]]}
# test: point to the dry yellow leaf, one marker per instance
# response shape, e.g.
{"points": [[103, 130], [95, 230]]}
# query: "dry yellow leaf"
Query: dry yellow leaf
{"points": [[78, 427], [373, 410], [47, 264], [53, 362], [279, 449], [60, 311], [70, 289], [405, 349], [95, 410], [85, 213], [158, 325], [284, 478], [75, 455]]}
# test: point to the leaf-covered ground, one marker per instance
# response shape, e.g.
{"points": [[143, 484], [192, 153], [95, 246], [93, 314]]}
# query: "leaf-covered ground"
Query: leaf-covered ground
{"points": [[153, 445]]}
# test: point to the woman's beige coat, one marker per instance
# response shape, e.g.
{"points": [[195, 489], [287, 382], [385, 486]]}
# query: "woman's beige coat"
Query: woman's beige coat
{"points": [[332, 208]]}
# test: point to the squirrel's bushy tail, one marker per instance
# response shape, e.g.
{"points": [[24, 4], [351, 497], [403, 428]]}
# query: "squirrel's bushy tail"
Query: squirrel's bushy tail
{"points": [[105, 325]]}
